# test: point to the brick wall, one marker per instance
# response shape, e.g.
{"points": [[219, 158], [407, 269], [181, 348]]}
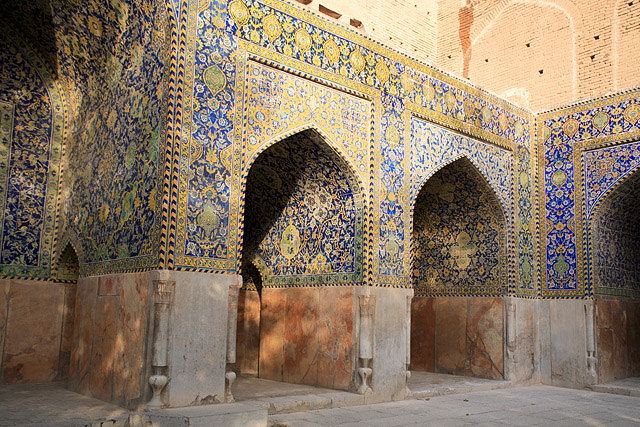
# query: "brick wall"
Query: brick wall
{"points": [[408, 26], [541, 53]]}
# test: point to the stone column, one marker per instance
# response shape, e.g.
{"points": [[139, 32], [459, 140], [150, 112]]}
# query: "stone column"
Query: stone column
{"points": [[407, 372], [367, 309], [510, 345], [162, 292], [232, 327], [592, 376]]}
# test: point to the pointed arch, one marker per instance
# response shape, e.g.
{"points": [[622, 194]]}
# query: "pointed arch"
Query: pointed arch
{"points": [[495, 218], [68, 259], [326, 139], [504, 207], [613, 239], [602, 197], [313, 268]]}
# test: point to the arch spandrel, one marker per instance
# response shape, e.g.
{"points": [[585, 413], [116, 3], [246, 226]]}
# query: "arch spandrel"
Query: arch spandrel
{"points": [[303, 214], [605, 169], [279, 104], [435, 147]]}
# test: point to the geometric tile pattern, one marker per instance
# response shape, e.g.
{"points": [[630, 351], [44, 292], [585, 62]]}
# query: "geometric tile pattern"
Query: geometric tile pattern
{"points": [[435, 147], [279, 27], [206, 171], [605, 167], [524, 224], [113, 74], [389, 254]]}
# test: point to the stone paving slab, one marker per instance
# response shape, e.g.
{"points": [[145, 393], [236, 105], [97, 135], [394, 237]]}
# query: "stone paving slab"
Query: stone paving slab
{"points": [[51, 404], [627, 387], [429, 384], [522, 406]]}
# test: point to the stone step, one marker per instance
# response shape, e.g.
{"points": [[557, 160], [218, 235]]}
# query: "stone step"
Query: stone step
{"points": [[307, 402], [224, 414], [458, 388]]}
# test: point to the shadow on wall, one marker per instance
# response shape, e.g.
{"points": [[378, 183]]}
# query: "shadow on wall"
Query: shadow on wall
{"points": [[301, 222], [614, 232], [459, 251], [32, 22]]}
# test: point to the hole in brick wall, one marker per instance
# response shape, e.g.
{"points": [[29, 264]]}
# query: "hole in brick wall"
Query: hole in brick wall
{"points": [[449, 56], [541, 71], [596, 37], [329, 12], [304, 1], [528, 44], [630, 3], [355, 23], [592, 57], [486, 60]]}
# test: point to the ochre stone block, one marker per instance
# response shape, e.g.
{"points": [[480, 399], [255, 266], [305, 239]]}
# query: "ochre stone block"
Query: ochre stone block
{"points": [[68, 318], [251, 326], [272, 323], [485, 338], [80, 360], [104, 339], [633, 338], [110, 285], [301, 336], [5, 287], [130, 339], [33, 332], [335, 337], [451, 341], [605, 355], [423, 330]]}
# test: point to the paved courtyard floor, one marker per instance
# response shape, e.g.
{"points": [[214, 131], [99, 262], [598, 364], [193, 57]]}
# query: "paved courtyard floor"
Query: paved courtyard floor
{"points": [[52, 405], [525, 406]]}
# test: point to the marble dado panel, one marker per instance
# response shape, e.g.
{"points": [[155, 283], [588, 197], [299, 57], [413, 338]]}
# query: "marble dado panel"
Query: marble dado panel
{"points": [[248, 333], [109, 337], [618, 339], [33, 341], [306, 336], [459, 336]]}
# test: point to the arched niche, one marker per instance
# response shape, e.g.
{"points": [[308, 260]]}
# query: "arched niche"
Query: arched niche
{"points": [[68, 265], [459, 275], [302, 257], [614, 248]]}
